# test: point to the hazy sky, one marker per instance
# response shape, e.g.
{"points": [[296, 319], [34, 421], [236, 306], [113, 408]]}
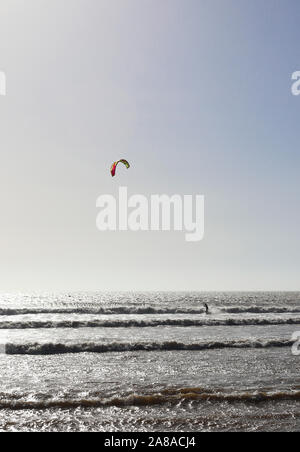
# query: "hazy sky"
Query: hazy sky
{"points": [[196, 94]]}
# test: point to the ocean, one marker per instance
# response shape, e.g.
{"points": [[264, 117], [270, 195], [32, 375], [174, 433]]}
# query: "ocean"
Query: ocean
{"points": [[149, 362]]}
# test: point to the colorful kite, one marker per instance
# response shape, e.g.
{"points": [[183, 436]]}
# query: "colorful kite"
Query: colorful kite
{"points": [[114, 166]]}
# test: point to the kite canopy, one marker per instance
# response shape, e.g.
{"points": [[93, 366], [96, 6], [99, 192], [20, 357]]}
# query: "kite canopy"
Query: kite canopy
{"points": [[115, 164]]}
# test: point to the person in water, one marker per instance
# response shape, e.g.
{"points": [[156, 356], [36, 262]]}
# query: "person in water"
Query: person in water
{"points": [[206, 308]]}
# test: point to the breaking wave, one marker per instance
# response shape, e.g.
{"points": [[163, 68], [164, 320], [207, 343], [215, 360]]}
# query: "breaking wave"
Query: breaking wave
{"points": [[121, 323], [167, 396], [91, 347]]}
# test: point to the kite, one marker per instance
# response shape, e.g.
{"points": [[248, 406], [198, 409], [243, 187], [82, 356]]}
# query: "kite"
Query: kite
{"points": [[114, 166]]}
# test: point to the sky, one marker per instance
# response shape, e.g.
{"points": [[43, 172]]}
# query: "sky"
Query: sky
{"points": [[196, 95]]}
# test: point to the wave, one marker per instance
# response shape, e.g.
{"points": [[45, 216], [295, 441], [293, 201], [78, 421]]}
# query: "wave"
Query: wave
{"points": [[150, 310], [260, 310], [168, 396], [91, 347], [33, 324]]}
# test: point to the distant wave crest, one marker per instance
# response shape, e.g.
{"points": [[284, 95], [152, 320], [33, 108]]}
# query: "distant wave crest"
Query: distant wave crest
{"points": [[150, 310]]}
